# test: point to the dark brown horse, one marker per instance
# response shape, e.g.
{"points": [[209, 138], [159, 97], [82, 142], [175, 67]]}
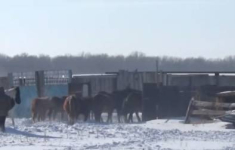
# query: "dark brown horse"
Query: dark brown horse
{"points": [[56, 107], [119, 96], [132, 104], [8, 98], [86, 107], [103, 102]]}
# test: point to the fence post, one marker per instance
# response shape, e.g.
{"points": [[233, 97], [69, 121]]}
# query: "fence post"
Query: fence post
{"points": [[40, 84], [10, 80]]}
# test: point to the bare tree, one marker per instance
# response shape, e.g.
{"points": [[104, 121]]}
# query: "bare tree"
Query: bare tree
{"points": [[88, 63]]}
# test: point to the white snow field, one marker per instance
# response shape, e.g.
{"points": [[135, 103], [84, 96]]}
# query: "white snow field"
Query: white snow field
{"points": [[152, 135]]}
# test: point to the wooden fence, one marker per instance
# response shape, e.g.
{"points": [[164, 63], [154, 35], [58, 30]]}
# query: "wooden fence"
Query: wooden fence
{"points": [[207, 109]]}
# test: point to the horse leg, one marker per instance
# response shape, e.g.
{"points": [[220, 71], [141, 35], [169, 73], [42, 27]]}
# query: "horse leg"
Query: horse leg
{"points": [[71, 119], [13, 121], [2, 123], [90, 115], [68, 119], [86, 115], [110, 115], [119, 116], [11, 115], [125, 117], [93, 115], [130, 118], [33, 117], [108, 119], [43, 116], [96, 117], [50, 113], [4, 119], [100, 117], [39, 117], [138, 117]]}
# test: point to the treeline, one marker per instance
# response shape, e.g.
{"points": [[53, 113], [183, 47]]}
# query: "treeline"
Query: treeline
{"points": [[88, 63]]}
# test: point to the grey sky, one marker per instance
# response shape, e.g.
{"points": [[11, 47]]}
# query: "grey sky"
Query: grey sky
{"points": [[182, 28]]}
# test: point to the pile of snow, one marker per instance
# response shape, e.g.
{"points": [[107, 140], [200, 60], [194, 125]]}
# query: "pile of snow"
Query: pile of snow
{"points": [[153, 135]]}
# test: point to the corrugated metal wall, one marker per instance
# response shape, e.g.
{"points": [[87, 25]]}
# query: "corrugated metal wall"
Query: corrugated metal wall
{"points": [[97, 83]]}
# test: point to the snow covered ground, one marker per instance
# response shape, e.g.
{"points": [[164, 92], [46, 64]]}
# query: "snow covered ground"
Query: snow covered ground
{"points": [[153, 135]]}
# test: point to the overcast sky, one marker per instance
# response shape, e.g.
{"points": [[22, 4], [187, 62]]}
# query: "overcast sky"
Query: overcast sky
{"points": [[182, 28]]}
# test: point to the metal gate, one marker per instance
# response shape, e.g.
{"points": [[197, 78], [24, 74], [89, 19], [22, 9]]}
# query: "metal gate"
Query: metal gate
{"points": [[38, 84], [28, 91]]}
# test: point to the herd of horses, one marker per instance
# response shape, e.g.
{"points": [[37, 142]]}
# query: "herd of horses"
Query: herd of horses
{"points": [[126, 102]]}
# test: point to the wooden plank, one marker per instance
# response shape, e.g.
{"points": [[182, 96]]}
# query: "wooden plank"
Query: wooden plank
{"points": [[226, 93], [207, 112], [213, 105]]}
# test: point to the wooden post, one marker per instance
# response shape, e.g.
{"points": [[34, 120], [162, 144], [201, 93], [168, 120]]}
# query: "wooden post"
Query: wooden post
{"points": [[70, 75], [39, 76], [187, 118]]}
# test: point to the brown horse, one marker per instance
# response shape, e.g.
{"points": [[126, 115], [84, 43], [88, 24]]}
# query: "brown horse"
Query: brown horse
{"points": [[75, 105], [8, 99], [132, 104], [103, 102], [40, 107]]}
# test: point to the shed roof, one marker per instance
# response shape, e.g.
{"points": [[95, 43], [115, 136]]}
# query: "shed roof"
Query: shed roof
{"points": [[93, 75]]}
